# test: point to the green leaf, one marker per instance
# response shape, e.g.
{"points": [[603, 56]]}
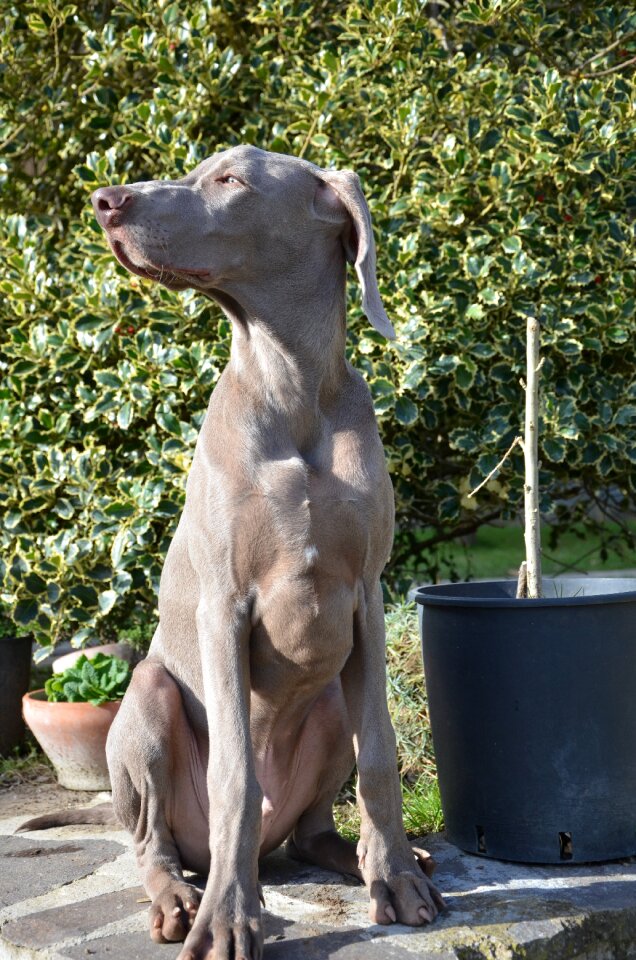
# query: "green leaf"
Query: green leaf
{"points": [[26, 611], [90, 322], [489, 140], [85, 173], [475, 312], [511, 245], [618, 334], [34, 583], [122, 582], [107, 600], [466, 440], [626, 416], [86, 594], [501, 372], [406, 411], [24, 367], [485, 350], [106, 378], [555, 449], [172, 14], [465, 374], [64, 508], [167, 420], [119, 544], [53, 592], [89, 674], [124, 415], [12, 519], [37, 25]]}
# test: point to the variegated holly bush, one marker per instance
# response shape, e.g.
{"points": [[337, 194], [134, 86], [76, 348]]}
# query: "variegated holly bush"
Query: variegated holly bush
{"points": [[495, 142]]}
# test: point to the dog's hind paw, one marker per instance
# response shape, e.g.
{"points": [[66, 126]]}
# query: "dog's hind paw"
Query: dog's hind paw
{"points": [[424, 860]]}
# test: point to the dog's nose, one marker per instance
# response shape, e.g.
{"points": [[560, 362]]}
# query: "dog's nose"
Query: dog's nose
{"points": [[109, 203]]}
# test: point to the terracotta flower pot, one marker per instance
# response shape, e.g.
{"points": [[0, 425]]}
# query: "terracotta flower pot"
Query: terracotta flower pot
{"points": [[73, 736]]}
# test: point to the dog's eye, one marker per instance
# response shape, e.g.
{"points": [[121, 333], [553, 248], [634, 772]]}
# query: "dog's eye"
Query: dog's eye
{"points": [[228, 179]]}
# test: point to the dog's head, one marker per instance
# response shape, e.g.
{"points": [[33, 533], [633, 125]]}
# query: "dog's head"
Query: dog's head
{"points": [[244, 217]]}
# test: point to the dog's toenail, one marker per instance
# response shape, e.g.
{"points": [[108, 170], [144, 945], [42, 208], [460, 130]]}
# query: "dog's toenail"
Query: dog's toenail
{"points": [[424, 914], [176, 912], [390, 912]]}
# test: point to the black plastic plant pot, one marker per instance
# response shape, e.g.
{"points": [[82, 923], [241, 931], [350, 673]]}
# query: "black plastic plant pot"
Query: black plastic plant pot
{"points": [[15, 670], [533, 714]]}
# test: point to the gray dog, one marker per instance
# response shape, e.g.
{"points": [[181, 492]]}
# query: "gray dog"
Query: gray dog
{"points": [[265, 680]]}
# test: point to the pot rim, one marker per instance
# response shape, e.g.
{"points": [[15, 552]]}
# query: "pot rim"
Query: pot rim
{"points": [[465, 594]]}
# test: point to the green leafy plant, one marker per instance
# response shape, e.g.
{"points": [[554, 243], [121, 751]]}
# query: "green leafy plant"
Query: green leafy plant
{"points": [[494, 141], [95, 681], [8, 627], [138, 634]]}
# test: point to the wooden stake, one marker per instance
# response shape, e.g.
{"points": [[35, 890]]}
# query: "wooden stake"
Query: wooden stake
{"points": [[531, 457]]}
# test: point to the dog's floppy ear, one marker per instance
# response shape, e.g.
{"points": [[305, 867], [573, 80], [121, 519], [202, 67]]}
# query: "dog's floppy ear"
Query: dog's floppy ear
{"points": [[339, 199]]}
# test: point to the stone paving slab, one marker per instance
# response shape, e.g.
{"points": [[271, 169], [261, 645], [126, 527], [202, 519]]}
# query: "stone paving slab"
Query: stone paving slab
{"points": [[48, 927], [33, 867], [78, 896]]}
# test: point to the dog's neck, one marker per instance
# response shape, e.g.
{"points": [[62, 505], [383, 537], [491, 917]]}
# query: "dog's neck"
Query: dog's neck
{"points": [[289, 361]]}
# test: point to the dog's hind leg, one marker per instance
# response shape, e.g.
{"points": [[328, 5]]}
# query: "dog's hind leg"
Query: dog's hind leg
{"points": [[152, 756], [315, 838]]}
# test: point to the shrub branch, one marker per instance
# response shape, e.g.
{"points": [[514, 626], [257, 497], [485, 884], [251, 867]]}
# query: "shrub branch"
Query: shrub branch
{"points": [[518, 441]]}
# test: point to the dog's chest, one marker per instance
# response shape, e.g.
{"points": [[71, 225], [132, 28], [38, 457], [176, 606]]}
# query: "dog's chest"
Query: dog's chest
{"points": [[316, 519], [317, 514]]}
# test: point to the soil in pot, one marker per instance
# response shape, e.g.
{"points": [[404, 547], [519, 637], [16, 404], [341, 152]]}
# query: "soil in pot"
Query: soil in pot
{"points": [[73, 736]]}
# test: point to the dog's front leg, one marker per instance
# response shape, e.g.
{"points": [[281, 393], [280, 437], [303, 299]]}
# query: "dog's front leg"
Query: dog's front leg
{"points": [[228, 924], [398, 887]]}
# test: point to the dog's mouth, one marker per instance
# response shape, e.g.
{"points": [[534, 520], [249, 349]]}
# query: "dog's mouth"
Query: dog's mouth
{"points": [[175, 278]]}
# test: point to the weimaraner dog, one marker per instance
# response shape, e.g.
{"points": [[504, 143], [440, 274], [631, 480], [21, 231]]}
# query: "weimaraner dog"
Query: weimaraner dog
{"points": [[265, 680]]}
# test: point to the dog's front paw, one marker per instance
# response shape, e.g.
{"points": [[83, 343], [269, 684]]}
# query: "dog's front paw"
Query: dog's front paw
{"points": [[224, 937], [399, 888], [173, 911]]}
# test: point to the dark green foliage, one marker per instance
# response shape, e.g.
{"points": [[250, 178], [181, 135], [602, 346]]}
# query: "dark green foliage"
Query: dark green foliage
{"points": [[9, 629], [95, 681], [495, 144]]}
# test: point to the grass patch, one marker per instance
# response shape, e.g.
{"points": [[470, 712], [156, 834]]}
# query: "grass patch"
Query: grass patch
{"points": [[25, 765], [498, 551], [422, 807], [406, 695], [421, 810]]}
